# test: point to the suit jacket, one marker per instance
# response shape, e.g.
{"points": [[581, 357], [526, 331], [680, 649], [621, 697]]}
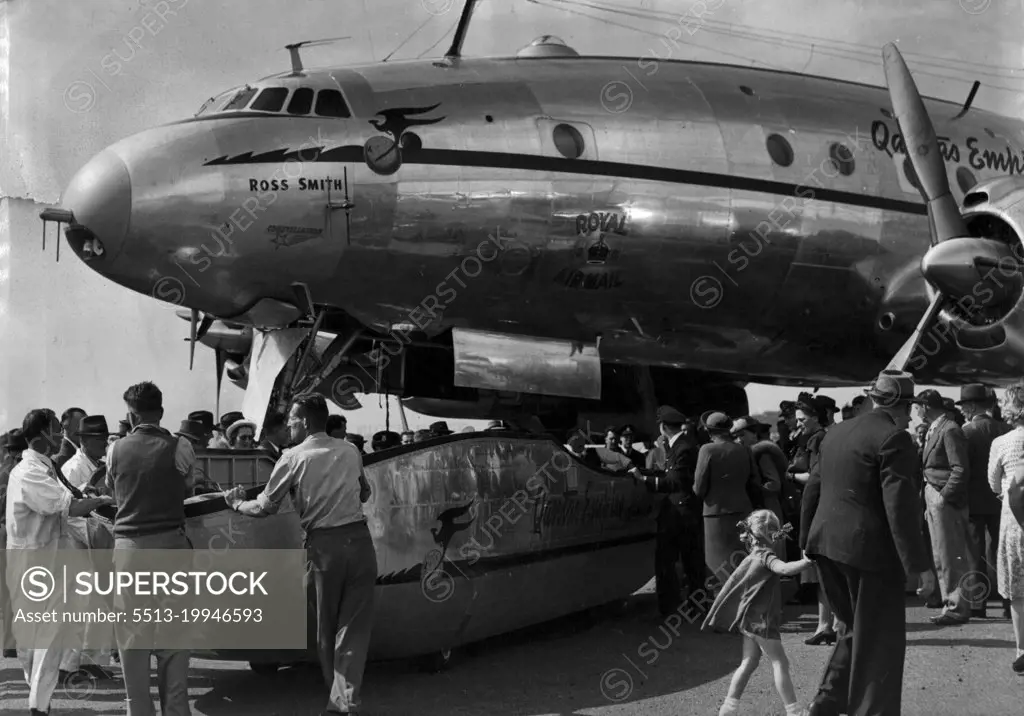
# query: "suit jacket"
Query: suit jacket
{"points": [[677, 483], [945, 461], [980, 433], [865, 513], [725, 471]]}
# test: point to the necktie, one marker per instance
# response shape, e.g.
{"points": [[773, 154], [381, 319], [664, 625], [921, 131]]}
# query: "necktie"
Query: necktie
{"points": [[63, 480]]}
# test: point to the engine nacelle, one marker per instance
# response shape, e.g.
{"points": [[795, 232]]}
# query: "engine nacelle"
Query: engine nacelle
{"points": [[980, 333]]}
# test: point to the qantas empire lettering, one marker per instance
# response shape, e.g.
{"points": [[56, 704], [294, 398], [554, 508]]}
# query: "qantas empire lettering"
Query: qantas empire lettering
{"points": [[1009, 159]]}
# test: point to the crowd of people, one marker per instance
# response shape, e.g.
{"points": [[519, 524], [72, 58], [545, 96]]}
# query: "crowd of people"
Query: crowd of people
{"points": [[879, 508]]}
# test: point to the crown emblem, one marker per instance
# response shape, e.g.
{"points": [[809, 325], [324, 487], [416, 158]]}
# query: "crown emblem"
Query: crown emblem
{"points": [[598, 253]]}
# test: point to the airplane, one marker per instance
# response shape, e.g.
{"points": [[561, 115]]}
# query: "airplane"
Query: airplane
{"points": [[561, 236]]}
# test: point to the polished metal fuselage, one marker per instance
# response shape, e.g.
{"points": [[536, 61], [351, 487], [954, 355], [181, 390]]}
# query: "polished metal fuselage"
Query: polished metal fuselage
{"points": [[673, 236]]}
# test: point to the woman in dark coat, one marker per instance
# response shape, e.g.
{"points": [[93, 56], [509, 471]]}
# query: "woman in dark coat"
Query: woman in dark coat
{"points": [[725, 472], [810, 418]]}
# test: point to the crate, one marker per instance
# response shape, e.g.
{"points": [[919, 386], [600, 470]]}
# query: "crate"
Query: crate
{"points": [[229, 468]]}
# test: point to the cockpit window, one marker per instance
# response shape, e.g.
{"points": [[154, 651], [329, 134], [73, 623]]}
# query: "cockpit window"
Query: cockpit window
{"points": [[241, 99], [215, 104], [302, 101], [330, 103], [270, 100]]}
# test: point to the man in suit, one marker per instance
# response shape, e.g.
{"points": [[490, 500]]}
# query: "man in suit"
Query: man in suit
{"points": [[983, 506], [680, 517], [945, 462], [861, 527]]}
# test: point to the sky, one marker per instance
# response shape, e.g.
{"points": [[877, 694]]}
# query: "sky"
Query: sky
{"points": [[71, 338]]}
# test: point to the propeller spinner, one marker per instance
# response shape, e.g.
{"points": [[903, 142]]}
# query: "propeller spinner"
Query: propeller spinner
{"points": [[953, 268]]}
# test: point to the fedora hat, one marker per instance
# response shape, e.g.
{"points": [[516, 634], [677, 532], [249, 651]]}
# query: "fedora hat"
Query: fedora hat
{"points": [[974, 393], [717, 422], [94, 425], [204, 418], [891, 387], [439, 428], [238, 425], [192, 430]]}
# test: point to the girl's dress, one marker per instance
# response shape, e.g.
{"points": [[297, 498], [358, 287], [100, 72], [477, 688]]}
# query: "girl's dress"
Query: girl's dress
{"points": [[1006, 459], [751, 599]]}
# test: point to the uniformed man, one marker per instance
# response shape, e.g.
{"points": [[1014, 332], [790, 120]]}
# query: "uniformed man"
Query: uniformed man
{"points": [[38, 505], [326, 475], [681, 514]]}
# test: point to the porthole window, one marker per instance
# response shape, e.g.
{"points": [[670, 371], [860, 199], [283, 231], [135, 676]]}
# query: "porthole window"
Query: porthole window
{"points": [[842, 158], [746, 90], [779, 150], [886, 113], [568, 141], [908, 171], [965, 179]]}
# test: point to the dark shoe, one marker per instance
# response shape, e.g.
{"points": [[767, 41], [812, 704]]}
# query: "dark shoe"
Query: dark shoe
{"points": [[10, 653], [822, 708], [948, 620], [979, 614], [1018, 665], [37, 712], [934, 603], [822, 637], [1006, 609], [97, 672]]}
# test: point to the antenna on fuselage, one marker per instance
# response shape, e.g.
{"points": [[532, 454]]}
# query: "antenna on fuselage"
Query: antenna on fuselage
{"points": [[294, 50], [970, 99], [455, 51]]}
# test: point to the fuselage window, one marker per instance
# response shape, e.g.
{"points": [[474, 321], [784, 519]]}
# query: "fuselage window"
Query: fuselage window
{"points": [[842, 159], [330, 103], [270, 100], [302, 101], [779, 150], [965, 179], [241, 99]]}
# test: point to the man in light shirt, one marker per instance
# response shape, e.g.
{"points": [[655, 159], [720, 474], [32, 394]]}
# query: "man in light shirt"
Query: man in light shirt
{"points": [[325, 477], [92, 446], [37, 507]]}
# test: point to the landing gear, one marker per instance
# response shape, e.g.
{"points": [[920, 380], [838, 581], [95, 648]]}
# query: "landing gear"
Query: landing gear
{"points": [[264, 668], [437, 662]]}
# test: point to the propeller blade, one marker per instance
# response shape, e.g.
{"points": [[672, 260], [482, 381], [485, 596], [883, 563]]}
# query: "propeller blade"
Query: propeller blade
{"points": [[922, 147], [193, 328], [902, 358], [204, 326], [221, 358]]}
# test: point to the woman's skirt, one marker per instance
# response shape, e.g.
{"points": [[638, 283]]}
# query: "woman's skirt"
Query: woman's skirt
{"points": [[723, 549]]}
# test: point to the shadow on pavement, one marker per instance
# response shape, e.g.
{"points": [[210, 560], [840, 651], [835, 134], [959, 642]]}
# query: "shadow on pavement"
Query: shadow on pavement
{"points": [[608, 656]]}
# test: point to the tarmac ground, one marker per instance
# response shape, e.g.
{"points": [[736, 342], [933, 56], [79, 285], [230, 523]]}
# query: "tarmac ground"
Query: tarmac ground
{"points": [[620, 660]]}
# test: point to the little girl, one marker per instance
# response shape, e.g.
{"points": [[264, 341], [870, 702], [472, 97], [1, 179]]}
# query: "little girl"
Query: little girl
{"points": [[751, 602]]}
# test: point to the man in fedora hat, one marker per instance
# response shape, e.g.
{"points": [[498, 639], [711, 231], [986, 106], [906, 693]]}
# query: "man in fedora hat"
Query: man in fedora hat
{"points": [[205, 419], [439, 429], [680, 533], [861, 525], [85, 532], [980, 428], [945, 461]]}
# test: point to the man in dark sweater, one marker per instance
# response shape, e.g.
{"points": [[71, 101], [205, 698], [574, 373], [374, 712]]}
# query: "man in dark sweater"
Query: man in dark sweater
{"points": [[149, 473]]}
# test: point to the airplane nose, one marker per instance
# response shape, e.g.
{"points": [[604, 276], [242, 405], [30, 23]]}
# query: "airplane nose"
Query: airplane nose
{"points": [[100, 198]]}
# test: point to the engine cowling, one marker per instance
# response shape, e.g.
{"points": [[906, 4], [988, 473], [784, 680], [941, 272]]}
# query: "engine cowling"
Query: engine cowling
{"points": [[980, 331]]}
